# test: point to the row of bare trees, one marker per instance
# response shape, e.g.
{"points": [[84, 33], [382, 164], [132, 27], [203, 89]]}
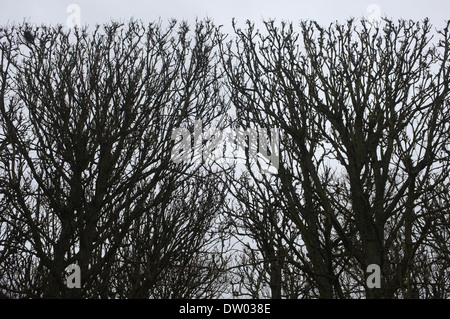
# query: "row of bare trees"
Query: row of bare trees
{"points": [[88, 177]]}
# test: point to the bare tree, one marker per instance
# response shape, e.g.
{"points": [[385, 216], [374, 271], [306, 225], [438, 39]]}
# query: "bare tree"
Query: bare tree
{"points": [[364, 115], [264, 266], [87, 176]]}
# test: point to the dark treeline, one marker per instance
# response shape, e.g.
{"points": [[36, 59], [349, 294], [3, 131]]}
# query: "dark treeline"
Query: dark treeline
{"points": [[88, 174]]}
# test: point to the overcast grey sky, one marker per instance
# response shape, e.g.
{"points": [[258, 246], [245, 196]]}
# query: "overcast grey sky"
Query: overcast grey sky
{"points": [[323, 11]]}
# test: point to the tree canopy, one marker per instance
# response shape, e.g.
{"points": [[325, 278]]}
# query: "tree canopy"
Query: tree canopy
{"points": [[355, 116]]}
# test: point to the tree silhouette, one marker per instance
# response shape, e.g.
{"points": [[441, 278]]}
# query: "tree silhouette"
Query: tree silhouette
{"points": [[363, 174], [86, 169]]}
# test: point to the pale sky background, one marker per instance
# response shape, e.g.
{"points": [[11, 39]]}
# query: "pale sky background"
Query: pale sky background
{"points": [[221, 12]]}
